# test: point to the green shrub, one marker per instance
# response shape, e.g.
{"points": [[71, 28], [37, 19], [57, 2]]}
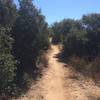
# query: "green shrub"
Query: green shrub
{"points": [[7, 62]]}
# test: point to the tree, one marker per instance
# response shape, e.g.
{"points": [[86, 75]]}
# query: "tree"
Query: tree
{"points": [[56, 31], [30, 35], [80, 37], [8, 13], [75, 42], [62, 29], [72, 34], [7, 62], [92, 24]]}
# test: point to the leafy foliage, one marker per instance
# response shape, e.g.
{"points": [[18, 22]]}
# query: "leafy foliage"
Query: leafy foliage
{"points": [[92, 24], [30, 33], [79, 37], [23, 35], [7, 62], [8, 13], [76, 40]]}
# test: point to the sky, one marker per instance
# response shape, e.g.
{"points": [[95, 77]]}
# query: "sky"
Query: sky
{"points": [[56, 10]]}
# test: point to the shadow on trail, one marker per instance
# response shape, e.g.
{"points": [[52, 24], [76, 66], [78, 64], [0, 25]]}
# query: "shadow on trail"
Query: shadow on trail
{"points": [[61, 59]]}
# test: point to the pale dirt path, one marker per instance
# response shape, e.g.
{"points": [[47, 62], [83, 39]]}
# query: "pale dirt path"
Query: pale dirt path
{"points": [[51, 85], [60, 83], [54, 78]]}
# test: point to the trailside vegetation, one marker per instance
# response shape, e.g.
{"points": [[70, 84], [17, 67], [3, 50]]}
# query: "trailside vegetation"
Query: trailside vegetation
{"points": [[24, 35], [81, 42]]}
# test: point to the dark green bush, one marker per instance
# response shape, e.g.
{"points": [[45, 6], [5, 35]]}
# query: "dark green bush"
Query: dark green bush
{"points": [[30, 33], [79, 37], [7, 62], [75, 42]]}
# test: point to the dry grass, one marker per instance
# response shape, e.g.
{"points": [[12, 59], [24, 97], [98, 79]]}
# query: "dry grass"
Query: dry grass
{"points": [[86, 67]]}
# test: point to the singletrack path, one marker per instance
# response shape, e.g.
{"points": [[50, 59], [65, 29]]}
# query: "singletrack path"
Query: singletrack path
{"points": [[61, 83]]}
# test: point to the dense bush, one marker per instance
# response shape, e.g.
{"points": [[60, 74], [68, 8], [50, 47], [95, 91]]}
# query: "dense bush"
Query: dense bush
{"points": [[56, 33], [23, 38], [7, 62], [92, 24], [79, 37], [30, 33], [8, 13], [75, 41]]}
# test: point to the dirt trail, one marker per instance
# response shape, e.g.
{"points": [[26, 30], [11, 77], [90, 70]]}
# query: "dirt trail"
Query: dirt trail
{"points": [[60, 83], [54, 78]]}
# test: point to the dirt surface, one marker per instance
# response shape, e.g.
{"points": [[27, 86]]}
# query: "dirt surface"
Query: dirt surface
{"points": [[61, 83]]}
